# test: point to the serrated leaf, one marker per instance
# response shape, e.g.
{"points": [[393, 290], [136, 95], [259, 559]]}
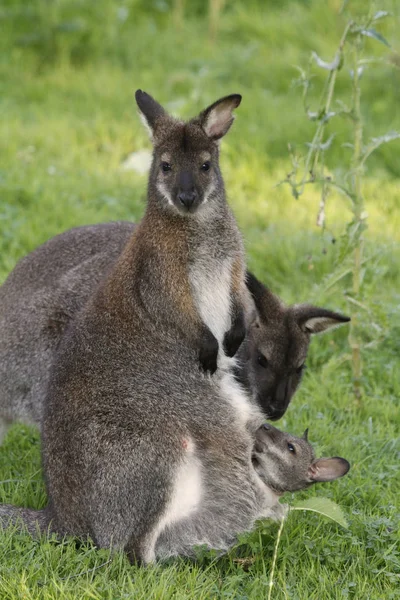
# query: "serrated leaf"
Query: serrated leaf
{"points": [[381, 14], [325, 65], [378, 141], [360, 71], [372, 33], [322, 145], [320, 116], [388, 137], [323, 506]]}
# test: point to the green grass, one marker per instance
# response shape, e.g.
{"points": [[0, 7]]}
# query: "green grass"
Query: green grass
{"points": [[68, 71]]}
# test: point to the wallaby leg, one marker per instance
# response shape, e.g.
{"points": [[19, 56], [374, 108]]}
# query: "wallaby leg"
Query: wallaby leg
{"points": [[130, 495]]}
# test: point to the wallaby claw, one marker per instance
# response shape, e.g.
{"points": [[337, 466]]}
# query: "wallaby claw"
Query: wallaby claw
{"points": [[235, 336], [208, 355]]}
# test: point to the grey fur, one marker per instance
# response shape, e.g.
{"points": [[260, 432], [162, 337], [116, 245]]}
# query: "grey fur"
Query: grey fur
{"points": [[50, 285], [128, 415], [137, 441], [284, 463], [287, 463]]}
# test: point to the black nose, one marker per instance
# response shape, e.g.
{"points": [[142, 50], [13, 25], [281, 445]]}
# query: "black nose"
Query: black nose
{"points": [[187, 198], [274, 414]]}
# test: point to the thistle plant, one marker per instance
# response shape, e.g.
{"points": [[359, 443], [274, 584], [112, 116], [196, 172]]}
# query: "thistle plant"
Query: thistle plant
{"points": [[313, 168]]}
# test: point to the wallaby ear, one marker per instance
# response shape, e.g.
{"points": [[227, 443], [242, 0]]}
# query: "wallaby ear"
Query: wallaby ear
{"points": [[267, 304], [328, 469], [317, 320], [305, 435], [217, 118], [150, 110]]}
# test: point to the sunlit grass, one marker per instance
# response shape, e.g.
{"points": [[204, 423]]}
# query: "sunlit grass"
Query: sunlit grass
{"points": [[67, 122]]}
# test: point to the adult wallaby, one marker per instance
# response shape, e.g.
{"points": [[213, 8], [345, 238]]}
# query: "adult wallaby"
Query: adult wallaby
{"points": [[284, 463], [276, 347], [50, 285], [135, 436]]}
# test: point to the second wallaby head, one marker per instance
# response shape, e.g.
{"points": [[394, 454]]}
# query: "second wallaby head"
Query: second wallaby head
{"points": [[277, 346], [287, 463], [185, 175]]}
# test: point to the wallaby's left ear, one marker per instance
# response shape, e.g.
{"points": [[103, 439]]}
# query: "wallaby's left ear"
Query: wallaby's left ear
{"points": [[328, 469], [150, 111], [217, 118], [317, 320]]}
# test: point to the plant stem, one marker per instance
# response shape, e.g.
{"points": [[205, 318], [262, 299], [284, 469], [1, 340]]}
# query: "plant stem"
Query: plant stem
{"points": [[313, 153], [278, 539], [215, 8], [358, 208], [178, 13]]}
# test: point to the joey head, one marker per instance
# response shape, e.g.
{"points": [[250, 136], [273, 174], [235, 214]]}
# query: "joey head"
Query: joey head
{"points": [[287, 463]]}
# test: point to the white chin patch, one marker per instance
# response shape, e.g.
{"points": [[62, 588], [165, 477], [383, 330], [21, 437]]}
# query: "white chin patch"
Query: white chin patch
{"points": [[164, 193]]}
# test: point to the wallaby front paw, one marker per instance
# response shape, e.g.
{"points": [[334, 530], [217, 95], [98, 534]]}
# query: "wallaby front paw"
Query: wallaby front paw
{"points": [[208, 354], [235, 336]]}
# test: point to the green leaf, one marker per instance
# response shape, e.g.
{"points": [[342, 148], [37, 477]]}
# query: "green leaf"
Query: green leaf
{"points": [[322, 145], [381, 14], [323, 506], [335, 64], [372, 33]]}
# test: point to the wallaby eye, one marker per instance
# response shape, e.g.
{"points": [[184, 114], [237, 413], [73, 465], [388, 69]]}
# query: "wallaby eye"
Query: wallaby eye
{"points": [[205, 166], [166, 167], [262, 361], [291, 448], [301, 369]]}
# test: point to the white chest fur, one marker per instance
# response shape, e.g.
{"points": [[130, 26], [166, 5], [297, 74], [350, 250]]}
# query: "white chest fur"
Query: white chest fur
{"points": [[211, 288]]}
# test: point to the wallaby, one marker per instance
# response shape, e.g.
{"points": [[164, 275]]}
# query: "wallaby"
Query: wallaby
{"points": [[287, 463], [135, 437], [277, 345], [284, 463], [50, 285]]}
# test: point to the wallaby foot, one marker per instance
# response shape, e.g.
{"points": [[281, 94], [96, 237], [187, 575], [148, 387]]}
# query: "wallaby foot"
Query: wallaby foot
{"points": [[208, 354], [235, 336]]}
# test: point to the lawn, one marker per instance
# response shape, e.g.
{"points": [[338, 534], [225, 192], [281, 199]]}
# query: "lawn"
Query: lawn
{"points": [[68, 72]]}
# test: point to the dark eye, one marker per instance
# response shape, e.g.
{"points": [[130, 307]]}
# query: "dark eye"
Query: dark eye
{"points": [[291, 448], [205, 166], [262, 361], [301, 369], [166, 167]]}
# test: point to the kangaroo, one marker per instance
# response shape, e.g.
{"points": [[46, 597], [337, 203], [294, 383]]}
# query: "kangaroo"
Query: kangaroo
{"points": [[284, 463], [132, 429], [49, 286]]}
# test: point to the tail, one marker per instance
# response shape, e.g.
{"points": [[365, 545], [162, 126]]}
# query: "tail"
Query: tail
{"points": [[35, 522]]}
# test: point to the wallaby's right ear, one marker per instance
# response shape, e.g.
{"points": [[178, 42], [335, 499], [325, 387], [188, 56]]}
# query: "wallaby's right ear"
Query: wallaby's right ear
{"points": [[150, 111], [327, 469], [217, 119], [317, 320]]}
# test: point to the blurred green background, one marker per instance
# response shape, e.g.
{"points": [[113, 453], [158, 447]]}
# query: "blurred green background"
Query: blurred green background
{"points": [[68, 122]]}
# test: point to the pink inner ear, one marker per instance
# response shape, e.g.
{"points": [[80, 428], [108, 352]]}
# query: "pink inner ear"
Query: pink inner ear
{"points": [[312, 471], [218, 122]]}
